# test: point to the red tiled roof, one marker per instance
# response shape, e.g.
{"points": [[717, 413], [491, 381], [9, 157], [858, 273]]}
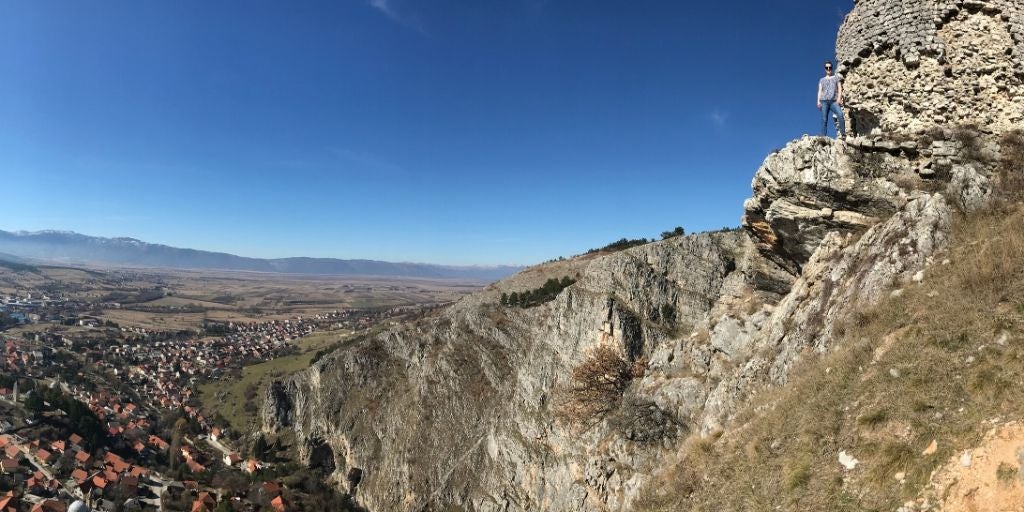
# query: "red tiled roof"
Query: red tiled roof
{"points": [[278, 504], [159, 443], [271, 488], [204, 502], [119, 466], [49, 506]]}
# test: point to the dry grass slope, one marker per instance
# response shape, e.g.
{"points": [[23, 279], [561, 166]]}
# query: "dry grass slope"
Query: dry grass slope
{"points": [[940, 362]]}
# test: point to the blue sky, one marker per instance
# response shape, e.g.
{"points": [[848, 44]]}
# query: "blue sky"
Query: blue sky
{"points": [[462, 132]]}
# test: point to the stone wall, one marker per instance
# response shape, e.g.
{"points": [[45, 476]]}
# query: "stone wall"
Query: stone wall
{"points": [[914, 64]]}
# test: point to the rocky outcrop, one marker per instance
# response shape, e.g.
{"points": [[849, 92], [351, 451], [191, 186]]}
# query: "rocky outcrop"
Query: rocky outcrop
{"points": [[458, 410], [811, 189], [843, 274]]}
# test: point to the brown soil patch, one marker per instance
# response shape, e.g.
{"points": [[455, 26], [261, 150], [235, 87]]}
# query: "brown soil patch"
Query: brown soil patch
{"points": [[991, 483]]}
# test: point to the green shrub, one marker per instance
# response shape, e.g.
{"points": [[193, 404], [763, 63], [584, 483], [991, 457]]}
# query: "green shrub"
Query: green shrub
{"points": [[530, 298]]}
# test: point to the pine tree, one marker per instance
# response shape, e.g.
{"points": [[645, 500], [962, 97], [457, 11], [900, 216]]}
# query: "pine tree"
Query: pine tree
{"points": [[678, 231], [259, 448], [34, 403]]}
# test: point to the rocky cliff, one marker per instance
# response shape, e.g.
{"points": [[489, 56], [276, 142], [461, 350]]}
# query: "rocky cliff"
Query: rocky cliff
{"points": [[460, 411]]}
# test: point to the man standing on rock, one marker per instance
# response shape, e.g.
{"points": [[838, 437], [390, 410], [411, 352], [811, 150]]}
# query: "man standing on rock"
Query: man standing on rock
{"points": [[830, 99]]}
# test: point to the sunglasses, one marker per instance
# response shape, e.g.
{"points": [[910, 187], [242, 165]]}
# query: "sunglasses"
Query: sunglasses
{"points": [[828, 68]]}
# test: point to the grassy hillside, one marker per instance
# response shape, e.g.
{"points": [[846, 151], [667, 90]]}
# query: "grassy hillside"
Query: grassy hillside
{"points": [[939, 361], [238, 399]]}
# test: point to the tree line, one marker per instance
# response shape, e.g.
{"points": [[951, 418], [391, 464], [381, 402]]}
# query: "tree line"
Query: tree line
{"points": [[80, 418], [625, 243], [548, 291]]}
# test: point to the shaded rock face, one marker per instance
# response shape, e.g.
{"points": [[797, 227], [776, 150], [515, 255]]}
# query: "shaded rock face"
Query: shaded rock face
{"points": [[911, 65], [458, 411], [841, 276]]}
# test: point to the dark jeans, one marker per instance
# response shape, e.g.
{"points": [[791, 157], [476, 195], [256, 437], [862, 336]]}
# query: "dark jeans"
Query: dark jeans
{"points": [[828, 107]]}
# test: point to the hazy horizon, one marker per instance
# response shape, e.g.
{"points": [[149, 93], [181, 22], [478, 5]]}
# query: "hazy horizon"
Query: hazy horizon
{"points": [[296, 256]]}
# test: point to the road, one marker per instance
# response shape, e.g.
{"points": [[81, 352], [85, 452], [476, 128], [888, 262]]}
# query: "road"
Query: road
{"points": [[45, 470]]}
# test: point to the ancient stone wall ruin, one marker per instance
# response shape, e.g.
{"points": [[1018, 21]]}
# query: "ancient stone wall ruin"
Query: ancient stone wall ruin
{"points": [[914, 64]]}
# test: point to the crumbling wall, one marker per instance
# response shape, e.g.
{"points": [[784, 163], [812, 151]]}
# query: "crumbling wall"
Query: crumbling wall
{"points": [[911, 65]]}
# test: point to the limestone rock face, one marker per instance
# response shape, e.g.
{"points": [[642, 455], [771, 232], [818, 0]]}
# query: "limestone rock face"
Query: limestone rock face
{"points": [[911, 64], [809, 189], [841, 274], [456, 410]]}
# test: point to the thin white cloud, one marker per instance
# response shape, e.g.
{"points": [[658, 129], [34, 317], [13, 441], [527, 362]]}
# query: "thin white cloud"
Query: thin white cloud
{"points": [[385, 7], [719, 118], [394, 13], [366, 161]]}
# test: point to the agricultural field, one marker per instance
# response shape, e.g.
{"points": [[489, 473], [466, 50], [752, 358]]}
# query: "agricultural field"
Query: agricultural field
{"points": [[238, 399], [169, 300]]}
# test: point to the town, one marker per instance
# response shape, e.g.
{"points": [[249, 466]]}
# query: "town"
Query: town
{"points": [[105, 417]]}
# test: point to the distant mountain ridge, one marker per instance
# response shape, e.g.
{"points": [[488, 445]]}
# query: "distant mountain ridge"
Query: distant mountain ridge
{"points": [[71, 247]]}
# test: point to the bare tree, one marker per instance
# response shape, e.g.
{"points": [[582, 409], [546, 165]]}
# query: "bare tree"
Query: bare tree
{"points": [[597, 385]]}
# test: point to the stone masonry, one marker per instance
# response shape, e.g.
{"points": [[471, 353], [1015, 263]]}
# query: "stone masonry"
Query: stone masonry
{"points": [[911, 65]]}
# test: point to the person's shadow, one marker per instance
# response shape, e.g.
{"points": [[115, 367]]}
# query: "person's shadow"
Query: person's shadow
{"points": [[861, 122]]}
